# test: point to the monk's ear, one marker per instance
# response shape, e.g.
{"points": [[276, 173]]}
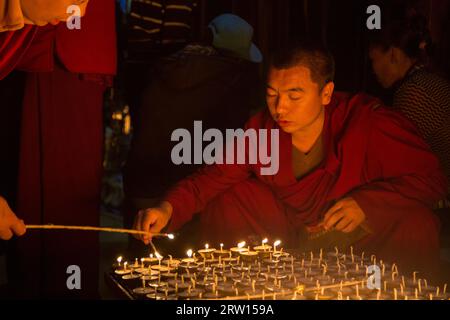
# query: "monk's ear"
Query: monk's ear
{"points": [[327, 93]]}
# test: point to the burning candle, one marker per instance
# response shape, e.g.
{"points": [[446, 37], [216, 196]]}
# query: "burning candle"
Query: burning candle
{"points": [[119, 270], [264, 249], [240, 248], [206, 253], [170, 236], [189, 259], [275, 245], [151, 259], [159, 257]]}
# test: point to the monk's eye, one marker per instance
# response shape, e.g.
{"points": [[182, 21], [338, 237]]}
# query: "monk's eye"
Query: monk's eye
{"points": [[271, 94], [295, 97]]}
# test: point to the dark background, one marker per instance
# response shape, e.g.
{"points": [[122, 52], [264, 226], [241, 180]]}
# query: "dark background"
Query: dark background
{"points": [[339, 24]]}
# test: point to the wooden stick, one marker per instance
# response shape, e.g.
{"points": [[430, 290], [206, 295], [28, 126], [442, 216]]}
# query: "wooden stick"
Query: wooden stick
{"points": [[86, 228]]}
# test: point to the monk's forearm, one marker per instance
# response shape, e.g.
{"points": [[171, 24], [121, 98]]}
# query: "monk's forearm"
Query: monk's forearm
{"points": [[192, 194]]}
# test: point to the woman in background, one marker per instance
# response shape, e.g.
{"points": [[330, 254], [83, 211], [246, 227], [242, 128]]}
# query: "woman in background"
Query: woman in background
{"points": [[399, 53]]}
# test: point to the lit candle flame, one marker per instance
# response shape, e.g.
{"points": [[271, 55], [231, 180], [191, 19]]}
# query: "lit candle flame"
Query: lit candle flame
{"points": [[265, 241], [189, 253], [206, 246], [158, 256], [151, 255], [277, 243], [170, 236], [221, 245], [241, 244], [119, 260]]}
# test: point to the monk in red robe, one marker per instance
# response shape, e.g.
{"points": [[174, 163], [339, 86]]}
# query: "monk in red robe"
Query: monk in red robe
{"points": [[348, 165], [61, 143]]}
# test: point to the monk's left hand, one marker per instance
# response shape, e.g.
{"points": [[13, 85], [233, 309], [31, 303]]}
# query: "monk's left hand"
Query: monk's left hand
{"points": [[346, 215]]}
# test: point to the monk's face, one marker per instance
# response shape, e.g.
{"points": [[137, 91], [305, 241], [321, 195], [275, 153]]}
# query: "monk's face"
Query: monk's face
{"points": [[295, 101], [42, 12]]}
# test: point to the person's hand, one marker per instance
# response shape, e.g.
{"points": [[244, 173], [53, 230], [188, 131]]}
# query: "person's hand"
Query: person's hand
{"points": [[345, 216], [9, 223], [152, 220]]}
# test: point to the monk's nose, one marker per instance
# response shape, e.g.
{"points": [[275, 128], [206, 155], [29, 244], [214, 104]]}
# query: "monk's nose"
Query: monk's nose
{"points": [[281, 107]]}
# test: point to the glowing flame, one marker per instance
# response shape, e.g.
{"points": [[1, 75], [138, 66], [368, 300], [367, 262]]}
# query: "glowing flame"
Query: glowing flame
{"points": [[241, 244], [206, 246], [170, 236], [265, 241], [277, 243], [151, 255], [158, 256], [189, 253], [221, 245], [119, 259]]}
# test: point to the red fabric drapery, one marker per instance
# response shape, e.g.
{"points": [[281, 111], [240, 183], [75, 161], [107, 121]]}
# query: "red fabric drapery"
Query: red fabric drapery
{"points": [[13, 46]]}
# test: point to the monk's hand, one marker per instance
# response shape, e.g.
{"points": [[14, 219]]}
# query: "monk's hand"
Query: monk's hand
{"points": [[152, 220], [9, 224], [346, 215]]}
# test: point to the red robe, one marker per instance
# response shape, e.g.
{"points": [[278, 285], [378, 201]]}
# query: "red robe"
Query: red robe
{"points": [[13, 46], [372, 154], [61, 152]]}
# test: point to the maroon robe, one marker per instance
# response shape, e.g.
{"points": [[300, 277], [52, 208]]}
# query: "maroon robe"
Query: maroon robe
{"points": [[13, 46], [372, 154], [61, 152]]}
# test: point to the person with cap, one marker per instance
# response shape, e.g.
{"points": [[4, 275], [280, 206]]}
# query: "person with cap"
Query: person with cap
{"points": [[215, 81]]}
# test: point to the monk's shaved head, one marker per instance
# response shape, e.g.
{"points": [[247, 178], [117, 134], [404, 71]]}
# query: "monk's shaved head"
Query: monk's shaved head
{"points": [[311, 55]]}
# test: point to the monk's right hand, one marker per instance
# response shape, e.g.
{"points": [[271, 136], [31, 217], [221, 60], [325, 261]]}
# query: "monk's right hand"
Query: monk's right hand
{"points": [[9, 224], [152, 220]]}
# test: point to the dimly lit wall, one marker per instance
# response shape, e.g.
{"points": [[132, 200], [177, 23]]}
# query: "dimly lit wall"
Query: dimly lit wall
{"points": [[340, 24]]}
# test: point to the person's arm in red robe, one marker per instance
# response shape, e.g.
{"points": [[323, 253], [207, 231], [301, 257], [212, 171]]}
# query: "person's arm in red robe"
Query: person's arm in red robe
{"points": [[192, 194], [411, 175]]}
